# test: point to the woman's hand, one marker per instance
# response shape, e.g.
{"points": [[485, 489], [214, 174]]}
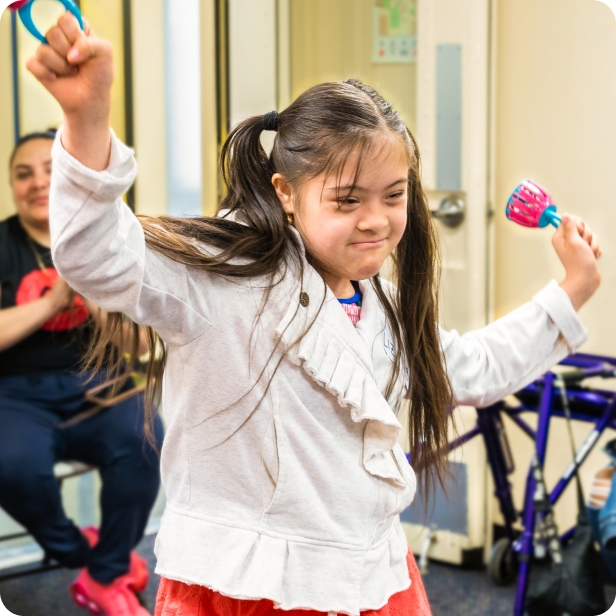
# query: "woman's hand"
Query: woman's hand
{"points": [[60, 297], [19, 322], [578, 250], [77, 69]]}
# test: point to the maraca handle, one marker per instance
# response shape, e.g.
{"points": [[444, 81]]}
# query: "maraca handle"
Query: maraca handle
{"points": [[25, 14], [552, 217]]}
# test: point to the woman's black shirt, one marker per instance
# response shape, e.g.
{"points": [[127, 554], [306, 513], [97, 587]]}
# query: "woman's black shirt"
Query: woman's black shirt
{"points": [[60, 344]]}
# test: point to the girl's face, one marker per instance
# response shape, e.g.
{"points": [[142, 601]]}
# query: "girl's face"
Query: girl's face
{"points": [[350, 233], [30, 179]]}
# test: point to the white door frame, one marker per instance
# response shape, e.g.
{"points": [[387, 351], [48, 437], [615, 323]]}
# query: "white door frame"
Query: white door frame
{"points": [[465, 290], [465, 22]]}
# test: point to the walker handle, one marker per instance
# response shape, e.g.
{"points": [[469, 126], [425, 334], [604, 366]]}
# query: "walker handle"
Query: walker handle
{"points": [[573, 376], [577, 375]]}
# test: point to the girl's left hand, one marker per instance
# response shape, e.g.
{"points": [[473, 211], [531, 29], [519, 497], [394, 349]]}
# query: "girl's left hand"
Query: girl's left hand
{"points": [[578, 250]]}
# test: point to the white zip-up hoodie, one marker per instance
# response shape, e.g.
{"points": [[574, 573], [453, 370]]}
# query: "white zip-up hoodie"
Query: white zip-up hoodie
{"points": [[292, 492]]}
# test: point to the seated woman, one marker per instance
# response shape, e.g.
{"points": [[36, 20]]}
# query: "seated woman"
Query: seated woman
{"points": [[45, 330]]}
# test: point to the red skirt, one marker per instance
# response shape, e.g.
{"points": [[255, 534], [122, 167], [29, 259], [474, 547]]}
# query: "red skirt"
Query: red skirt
{"points": [[179, 599]]}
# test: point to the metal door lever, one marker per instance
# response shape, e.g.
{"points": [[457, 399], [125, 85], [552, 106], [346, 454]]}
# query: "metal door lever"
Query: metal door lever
{"points": [[451, 211]]}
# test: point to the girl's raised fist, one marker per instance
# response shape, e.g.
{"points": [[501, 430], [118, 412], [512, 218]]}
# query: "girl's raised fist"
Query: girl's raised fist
{"points": [[77, 69]]}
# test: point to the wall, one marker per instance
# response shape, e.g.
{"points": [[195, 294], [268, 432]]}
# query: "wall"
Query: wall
{"points": [[209, 136], [106, 21], [556, 95], [253, 78], [332, 40], [149, 107], [38, 109], [252, 67], [555, 122]]}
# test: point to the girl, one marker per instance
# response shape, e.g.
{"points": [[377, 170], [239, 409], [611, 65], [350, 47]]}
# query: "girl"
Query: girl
{"points": [[281, 465]]}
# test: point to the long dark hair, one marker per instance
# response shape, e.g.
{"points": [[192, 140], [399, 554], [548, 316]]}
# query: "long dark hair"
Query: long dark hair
{"points": [[49, 135], [316, 134]]}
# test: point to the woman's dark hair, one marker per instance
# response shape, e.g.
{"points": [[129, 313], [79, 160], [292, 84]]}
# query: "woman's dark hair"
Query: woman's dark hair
{"points": [[316, 134], [49, 134]]}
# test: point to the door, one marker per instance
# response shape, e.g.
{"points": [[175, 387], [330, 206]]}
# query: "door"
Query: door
{"points": [[430, 58], [453, 132]]}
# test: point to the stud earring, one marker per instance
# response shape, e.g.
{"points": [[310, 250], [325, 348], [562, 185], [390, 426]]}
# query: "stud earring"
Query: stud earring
{"points": [[290, 218]]}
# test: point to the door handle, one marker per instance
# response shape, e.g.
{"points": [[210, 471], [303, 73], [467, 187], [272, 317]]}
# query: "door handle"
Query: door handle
{"points": [[451, 211]]}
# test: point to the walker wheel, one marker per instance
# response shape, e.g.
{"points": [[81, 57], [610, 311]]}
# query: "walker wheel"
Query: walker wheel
{"points": [[502, 566]]}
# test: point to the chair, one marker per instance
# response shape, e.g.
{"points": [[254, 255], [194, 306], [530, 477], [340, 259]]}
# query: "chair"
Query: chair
{"points": [[69, 469], [62, 471]]}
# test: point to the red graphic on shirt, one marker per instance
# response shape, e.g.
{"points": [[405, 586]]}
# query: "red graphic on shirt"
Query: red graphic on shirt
{"points": [[353, 312], [38, 284]]}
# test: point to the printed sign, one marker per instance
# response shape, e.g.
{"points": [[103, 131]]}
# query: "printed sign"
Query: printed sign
{"points": [[395, 31]]}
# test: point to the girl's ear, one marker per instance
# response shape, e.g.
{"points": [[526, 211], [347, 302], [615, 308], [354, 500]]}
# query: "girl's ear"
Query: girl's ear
{"points": [[284, 192]]}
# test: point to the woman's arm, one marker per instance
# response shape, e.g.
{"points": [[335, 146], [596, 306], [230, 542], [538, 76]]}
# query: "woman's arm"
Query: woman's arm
{"points": [[19, 322]]}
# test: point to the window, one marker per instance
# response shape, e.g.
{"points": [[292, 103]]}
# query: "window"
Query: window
{"points": [[183, 107]]}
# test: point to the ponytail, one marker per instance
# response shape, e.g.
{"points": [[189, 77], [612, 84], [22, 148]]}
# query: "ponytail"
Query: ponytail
{"points": [[247, 173]]}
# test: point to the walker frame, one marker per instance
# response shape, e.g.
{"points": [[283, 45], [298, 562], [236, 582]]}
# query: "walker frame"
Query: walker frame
{"points": [[590, 405]]}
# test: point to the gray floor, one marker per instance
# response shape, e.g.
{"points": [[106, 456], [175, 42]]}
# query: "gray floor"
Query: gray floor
{"points": [[452, 592], [46, 594]]}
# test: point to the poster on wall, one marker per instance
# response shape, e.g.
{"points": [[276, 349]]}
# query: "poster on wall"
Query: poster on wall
{"points": [[395, 31]]}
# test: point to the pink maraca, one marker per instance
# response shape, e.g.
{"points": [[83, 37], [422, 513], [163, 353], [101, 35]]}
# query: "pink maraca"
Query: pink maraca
{"points": [[530, 205]]}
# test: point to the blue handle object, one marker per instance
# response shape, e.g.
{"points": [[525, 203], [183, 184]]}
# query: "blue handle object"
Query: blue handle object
{"points": [[25, 14], [550, 217]]}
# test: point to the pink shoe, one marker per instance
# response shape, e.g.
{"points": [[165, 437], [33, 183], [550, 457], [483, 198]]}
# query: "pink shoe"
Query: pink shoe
{"points": [[138, 575], [116, 599]]}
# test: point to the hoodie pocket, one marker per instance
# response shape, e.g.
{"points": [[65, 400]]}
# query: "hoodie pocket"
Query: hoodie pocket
{"points": [[270, 455]]}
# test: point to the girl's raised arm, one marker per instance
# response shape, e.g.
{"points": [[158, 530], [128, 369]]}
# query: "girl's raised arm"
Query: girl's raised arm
{"points": [[77, 69], [489, 363], [98, 245]]}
